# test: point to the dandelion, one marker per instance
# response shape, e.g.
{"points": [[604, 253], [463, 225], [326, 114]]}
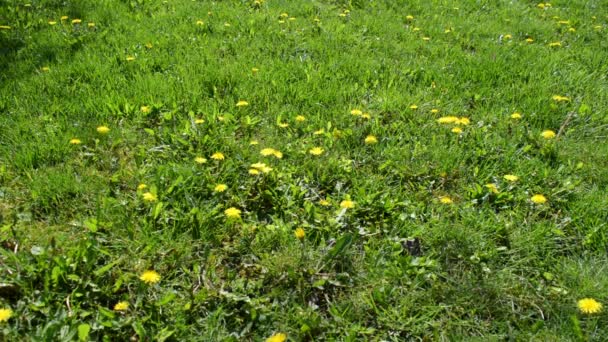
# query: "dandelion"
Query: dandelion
{"points": [[261, 167], [254, 70], [299, 233], [254, 172], [555, 44], [121, 306], [278, 337], [200, 160], [507, 36], [511, 178], [316, 151], [64, 17], [347, 204], [200, 22], [559, 98], [283, 124], [492, 187], [366, 116], [75, 141], [271, 152], [434, 110], [370, 139], [356, 112], [5, 314], [538, 199], [457, 130], [141, 186], [150, 277], [45, 69], [90, 25], [232, 213], [145, 109], [76, 21], [409, 17], [319, 132], [448, 119], [548, 134], [103, 129], [218, 156], [529, 40], [300, 118], [220, 188], [242, 103], [463, 121], [571, 29], [150, 197], [445, 200], [199, 121], [516, 116], [589, 306], [130, 58], [52, 22], [413, 107], [149, 46], [324, 202]]}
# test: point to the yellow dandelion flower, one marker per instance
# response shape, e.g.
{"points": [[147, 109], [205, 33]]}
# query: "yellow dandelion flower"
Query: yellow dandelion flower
{"points": [[589, 306], [416, 29], [52, 22], [218, 156], [316, 151], [538, 199], [347, 204], [103, 129], [45, 69], [511, 178], [121, 306], [141, 186], [507, 36], [529, 40], [145, 109], [559, 98], [434, 110], [149, 45], [254, 172], [448, 119], [261, 167], [299, 233], [150, 197], [283, 124], [254, 142], [76, 21], [300, 118], [555, 44], [370, 139], [366, 116], [463, 121], [356, 112], [413, 107], [5, 314], [220, 188], [232, 213], [150, 277], [457, 130], [492, 187], [278, 337], [319, 132], [64, 17], [324, 203], [516, 116], [409, 17], [445, 200], [242, 103], [91, 25], [200, 160], [130, 58], [571, 29], [199, 121], [75, 141], [200, 22], [254, 70], [548, 134], [541, 5]]}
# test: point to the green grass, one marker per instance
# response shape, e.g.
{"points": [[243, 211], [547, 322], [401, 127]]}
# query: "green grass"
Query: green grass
{"points": [[76, 232]]}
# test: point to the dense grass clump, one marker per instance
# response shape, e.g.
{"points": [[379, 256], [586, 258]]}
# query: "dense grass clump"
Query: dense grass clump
{"points": [[303, 170]]}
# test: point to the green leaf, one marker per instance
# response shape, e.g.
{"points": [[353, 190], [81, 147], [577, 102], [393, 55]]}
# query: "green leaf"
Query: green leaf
{"points": [[83, 332], [100, 271], [166, 299]]}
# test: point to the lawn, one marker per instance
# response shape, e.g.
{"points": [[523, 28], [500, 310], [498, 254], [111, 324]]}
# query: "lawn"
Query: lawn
{"points": [[293, 170]]}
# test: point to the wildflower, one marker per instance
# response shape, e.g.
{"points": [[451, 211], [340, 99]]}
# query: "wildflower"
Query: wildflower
{"points": [[426, 39], [299, 233], [571, 29], [324, 202], [278, 337], [45, 69], [516, 116], [538, 199], [447, 120], [413, 107], [529, 40], [271, 152], [356, 112], [150, 197], [76, 21], [64, 17], [409, 17], [200, 160], [564, 22], [415, 29], [559, 98], [457, 130], [316, 151], [589, 306], [366, 116], [347, 204], [130, 58], [541, 5], [220, 188], [218, 156], [283, 124], [242, 103], [492, 187], [548, 134], [261, 167], [445, 200], [75, 141], [121, 306], [254, 70], [150, 277], [145, 109], [463, 121], [141, 186], [300, 118], [52, 22], [232, 213], [555, 44], [511, 178], [319, 132], [149, 45], [90, 25], [434, 110], [5, 314], [254, 172], [200, 22], [103, 129], [199, 121], [370, 139]]}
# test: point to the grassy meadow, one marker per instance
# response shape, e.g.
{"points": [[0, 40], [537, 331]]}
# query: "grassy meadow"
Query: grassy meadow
{"points": [[292, 170]]}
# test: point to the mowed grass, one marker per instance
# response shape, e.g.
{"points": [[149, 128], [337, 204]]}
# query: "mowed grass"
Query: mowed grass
{"points": [[362, 147]]}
